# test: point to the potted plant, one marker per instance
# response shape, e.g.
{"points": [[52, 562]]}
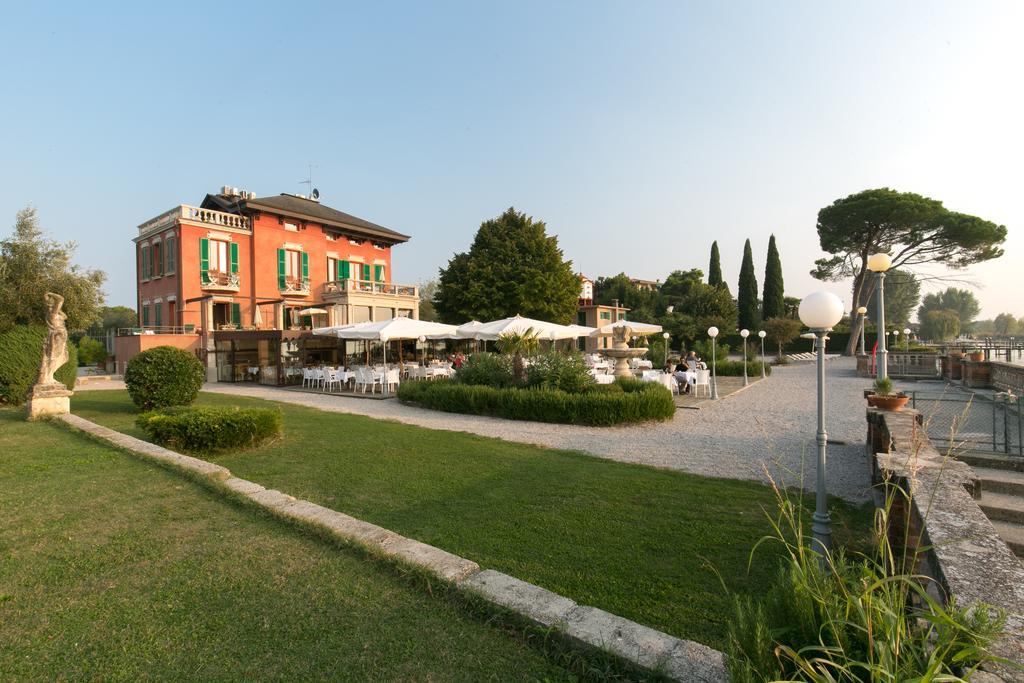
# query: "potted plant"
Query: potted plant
{"points": [[883, 397], [976, 355]]}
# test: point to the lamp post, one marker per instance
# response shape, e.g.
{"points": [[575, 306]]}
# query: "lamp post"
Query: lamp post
{"points": [[863, 312], [665, 336], [820, 311], [906, 338], [896, 340], [713, 332], [878, 264], [745, 333], [762, 334]]}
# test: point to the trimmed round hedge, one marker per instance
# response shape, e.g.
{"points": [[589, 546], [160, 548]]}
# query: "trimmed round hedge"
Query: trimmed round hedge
{"points": [[163, 376], [603, 405], [21, 351], [210, 429]]}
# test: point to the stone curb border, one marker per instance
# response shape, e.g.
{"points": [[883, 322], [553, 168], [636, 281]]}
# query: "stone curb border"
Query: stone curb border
{"points": [[674, 658]]}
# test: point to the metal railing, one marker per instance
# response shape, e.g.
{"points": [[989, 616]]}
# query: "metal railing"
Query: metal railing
{"points": [[218, 279], [369, 287], [296, 285], [958, 420], [156, 329]]}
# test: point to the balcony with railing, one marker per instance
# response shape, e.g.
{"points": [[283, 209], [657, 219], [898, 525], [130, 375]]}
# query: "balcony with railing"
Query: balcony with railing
{"points": [[219, 280], [195, 214], [296, 286], [337, 289]]}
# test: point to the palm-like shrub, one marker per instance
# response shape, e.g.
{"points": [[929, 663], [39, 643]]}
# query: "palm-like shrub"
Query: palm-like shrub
{"points": [[518, 345], [486, 369], [163, 376], [555, 370]]}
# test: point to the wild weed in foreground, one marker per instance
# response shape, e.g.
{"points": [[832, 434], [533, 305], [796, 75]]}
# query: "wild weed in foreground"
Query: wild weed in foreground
{"points": [[858, 618]]}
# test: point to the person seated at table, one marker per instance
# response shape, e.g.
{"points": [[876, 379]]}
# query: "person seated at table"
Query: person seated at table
{"points": [[692, 361], [681, 376]]}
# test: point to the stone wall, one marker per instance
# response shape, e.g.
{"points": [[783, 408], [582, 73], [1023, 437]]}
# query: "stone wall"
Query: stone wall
{"points": [[977, 374], [1008, 377], [963, 554]]}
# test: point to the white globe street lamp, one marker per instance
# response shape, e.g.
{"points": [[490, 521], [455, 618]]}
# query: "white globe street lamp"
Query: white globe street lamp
{"points": [[878, 264], [863, 312], [820, 312], [665, 336], [762, 334], [713, 332], [745, 333], [906, 339]]}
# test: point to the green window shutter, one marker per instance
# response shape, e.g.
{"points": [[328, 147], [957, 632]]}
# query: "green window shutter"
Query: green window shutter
{"points": [[378, 273], [280, 268], [236, 314], [145, 262], [346, 270], [204, 260], [305, 266], [169, 256], [158, 314], [234, 257], [145, 316], [366, 271]]}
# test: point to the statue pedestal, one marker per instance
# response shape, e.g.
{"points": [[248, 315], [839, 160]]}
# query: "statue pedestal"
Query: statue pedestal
{"points": [[48, 399]]}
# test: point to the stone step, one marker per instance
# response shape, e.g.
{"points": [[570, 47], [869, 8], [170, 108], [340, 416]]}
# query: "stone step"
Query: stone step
{"points": [[1013, 535], [996, 461], [1001, 481], [1002, 506]]}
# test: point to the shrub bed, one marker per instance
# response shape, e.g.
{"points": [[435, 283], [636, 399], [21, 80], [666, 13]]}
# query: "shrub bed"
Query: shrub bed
{"points": [[734, 368], [21, 351], [163, 376], [210, 429], [624, 401]]}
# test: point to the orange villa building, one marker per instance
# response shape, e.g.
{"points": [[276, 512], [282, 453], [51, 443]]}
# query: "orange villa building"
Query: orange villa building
{"points": [[242, 279]]}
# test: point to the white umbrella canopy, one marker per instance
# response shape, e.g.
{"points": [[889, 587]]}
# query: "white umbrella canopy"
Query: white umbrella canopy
{"points": [[257, 317], [637, 329], [518, 324], [463, 331], [313, 311], [582, 330], [386, 330]]}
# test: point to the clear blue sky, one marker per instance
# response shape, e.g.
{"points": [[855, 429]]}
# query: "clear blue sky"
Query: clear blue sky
{"points": [[638, 131]]}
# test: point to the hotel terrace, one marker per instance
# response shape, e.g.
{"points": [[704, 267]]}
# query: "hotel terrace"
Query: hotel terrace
{"points": [[241, 280]]}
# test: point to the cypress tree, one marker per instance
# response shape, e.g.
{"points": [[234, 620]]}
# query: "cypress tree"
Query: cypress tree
{"points": [[747, 294], [715, 267], [772, 303]]}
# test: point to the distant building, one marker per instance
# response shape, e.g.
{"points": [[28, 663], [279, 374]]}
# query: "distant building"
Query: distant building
{"points": [[242, 279], [595, 315], [646, 285]]}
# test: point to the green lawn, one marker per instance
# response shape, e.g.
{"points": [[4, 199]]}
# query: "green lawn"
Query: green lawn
{"points": [[633, 540], [114, 569]]}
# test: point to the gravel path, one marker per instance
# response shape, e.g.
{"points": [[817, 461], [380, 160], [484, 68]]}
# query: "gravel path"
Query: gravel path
{"points": [[771, 424]]}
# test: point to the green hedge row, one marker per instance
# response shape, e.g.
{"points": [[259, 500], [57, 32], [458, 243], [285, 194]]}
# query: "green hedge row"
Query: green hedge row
{"points": [[624, 401], [209, 429], [734, 368], [21, 351]]}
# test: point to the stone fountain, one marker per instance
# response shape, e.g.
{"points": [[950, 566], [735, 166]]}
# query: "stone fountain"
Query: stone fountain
{"points": [[621, 351]]}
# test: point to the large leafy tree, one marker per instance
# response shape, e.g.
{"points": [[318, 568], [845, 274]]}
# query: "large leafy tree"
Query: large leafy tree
{"points": [[715, 267], [960, 301], [696, 306], [428, 290], [940, 325], [32, 264], [913, 229], [781, 331], [643, 305], [746, 296], [1005, 324], [773, 297], [513, 267], [902, 294]]}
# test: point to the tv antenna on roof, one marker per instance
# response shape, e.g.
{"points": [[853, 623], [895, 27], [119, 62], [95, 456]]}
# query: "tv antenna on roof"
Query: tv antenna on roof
{"points": [[313, 192]]}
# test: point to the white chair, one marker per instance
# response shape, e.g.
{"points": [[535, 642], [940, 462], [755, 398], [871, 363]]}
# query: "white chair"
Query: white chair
{"points": [[377, 379], [703, 380], [362, 379], [393, 378], [332, 378], [319, 378]]}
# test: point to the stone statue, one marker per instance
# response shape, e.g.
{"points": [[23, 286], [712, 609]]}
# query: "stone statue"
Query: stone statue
{"points": [[55, 351], [48, 396]]}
